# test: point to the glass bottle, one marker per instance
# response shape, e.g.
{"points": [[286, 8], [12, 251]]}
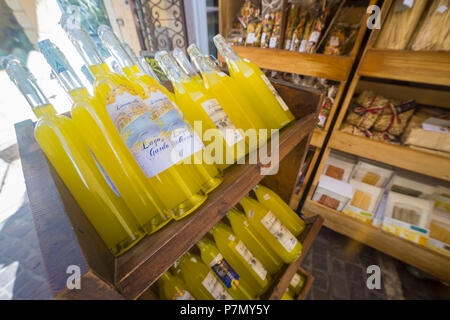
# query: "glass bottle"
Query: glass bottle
{"points": [[60, 140], [144, 203], [253, 82], [198, 105], [123, 110], [186, 66], [172, 287], [163, 103], [236, 285]]}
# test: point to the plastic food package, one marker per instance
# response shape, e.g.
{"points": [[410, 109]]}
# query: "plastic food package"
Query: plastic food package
{"points": [[366, 110], [339, 166], [333, 193], [372, 174], [395, 117]]}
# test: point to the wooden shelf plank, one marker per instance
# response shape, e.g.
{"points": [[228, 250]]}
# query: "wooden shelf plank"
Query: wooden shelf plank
{"points": [[318, 138], [139, 268], [426, 163], [308, 285], [417, 66], [283, 278], [418, 256], [330, 67]]}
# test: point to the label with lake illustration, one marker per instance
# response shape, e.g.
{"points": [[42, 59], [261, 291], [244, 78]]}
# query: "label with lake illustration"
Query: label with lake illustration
{"points": [[183, 139], [139, 127]]}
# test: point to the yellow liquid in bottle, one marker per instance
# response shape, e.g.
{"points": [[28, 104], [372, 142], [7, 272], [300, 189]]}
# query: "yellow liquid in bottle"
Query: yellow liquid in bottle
{"points": [[287, 295], [271, 230], [45, 110], [242, 228], [132, 184], [207, 174], [178, 191], [261, 93], [100, 202], [241, 258], [297, 283], [172, 287], [235, 104], [236, 285], [200, 280], [198, 105], [271, 201]]}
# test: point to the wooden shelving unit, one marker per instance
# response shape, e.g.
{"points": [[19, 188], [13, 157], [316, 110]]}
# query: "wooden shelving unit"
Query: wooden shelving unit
{"points": [[67, 238], [400, 74], [336, 68]]}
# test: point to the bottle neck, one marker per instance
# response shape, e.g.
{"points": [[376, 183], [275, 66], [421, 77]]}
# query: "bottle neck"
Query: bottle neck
{"points": [[199, 59], [114, 46], [225, 49], [25, 82], [65, 74], [170, 67], [184, 63], [98, 69], [166, 276]]}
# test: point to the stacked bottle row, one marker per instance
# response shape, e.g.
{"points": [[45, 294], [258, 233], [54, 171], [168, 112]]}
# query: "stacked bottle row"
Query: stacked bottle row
{"points": [[131, 154], [239, 256]]}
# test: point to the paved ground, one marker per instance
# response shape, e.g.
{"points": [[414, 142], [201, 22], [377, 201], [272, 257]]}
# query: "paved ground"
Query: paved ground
{"points": [[338, 263]]}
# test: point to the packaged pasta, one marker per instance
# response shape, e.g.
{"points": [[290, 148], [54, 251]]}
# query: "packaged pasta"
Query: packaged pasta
{"points": [[394, 117], [366, 110], [276, 32], [434, 33], [292, 22], [268, 22], [336, 40]]}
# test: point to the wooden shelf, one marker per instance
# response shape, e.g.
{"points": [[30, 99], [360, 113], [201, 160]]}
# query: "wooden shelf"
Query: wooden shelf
{"points": [[318, 138], [418, 256], [426, 163], [283, 278], [417, 66], [139, 268], [330, 67]]}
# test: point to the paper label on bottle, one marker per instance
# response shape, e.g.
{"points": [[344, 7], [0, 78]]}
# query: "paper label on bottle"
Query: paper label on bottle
{"points": [[254, 263], [225, 272], [222, 122], [302, 47], [295, 281], [287, 45], [314, 36], [334, 41], [266, 196], [215, 288], [442, 9], [137, 126], [183, 295], [275, 93], [273, 42], [231, 237], [251, 38], [279, 231], [222, 74], [184, 141], [246, 223], [105, 175], [408, 3], [263, 37]]}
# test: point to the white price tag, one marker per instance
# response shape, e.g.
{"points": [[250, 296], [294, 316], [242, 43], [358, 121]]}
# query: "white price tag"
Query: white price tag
{"points": [[442, 9], [408, 3]]}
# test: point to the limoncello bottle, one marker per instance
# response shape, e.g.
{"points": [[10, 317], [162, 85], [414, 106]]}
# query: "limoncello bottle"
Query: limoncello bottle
{"points": [[123, 109], [184, 140], [287, 295], [185, 64], [236, 286], [200, 280], [297, 283], [143, 202], [142, 67], [241, 258], [271, 201], [226, 91], [172, 287], [254, 83], [271, 230], [246, 232], [70, 156], [200, 106]]}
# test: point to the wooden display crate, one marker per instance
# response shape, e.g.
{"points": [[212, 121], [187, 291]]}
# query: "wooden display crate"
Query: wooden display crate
{"points": [[331, 67], [67, 238], [426, 74]]}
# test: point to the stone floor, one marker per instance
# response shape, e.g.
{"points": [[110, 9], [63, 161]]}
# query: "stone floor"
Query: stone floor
{"points": [[338, 263]]}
